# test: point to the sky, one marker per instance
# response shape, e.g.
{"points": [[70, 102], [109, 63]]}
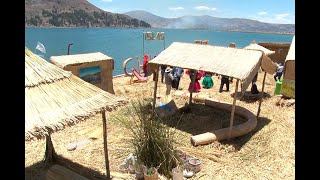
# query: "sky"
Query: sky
{"points": [[268, 11]]}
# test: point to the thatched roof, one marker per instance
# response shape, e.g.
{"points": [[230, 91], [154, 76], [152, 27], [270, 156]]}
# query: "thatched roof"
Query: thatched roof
{"points": [[267, 64], [55, 98], [242, 64], [292, 50], [255, 46], [75, 59]]}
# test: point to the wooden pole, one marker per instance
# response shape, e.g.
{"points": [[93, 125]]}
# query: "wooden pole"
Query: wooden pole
{"points": [[50, 154], [233, 108], [164, 42], [193, 80], [143, 37], [262, 92], [138, 64], [155, 88], [105, 143]]}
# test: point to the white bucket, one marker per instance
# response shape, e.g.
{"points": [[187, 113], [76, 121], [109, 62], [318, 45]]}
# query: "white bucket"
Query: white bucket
{"points": [[177, 174]]}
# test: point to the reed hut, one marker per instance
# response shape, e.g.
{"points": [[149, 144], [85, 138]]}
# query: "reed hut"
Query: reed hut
{"points": [[288, 83], [55, 98], [240, 64], [76, 63], [280, 50]]}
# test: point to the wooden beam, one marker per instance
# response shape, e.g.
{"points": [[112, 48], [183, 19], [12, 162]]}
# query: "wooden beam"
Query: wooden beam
{"points": [[155, 88], [233, 108], [105, 143], [193, 80], [262, 92]]}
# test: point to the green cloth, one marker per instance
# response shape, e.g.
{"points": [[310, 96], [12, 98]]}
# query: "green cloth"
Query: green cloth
{"points": [[278, 88], [207, 82]]}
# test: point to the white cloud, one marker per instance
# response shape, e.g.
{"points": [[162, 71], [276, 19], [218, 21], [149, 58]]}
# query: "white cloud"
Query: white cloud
{"points": [[204, 8], [262, 13], [106, 0], [284, 18], [281, 16], [176, 8]]}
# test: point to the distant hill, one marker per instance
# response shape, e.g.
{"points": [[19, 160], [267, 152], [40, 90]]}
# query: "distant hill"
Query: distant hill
{"points": [[74, 13], [209, 22]]}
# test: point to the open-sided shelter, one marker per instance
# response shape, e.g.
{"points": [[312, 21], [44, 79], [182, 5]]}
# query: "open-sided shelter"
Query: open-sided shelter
{"points": [[55, 98], [240, 64], [266, 64]]}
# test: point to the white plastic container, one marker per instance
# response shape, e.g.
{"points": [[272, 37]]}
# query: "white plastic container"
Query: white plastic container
{"points": [[177, 174]]}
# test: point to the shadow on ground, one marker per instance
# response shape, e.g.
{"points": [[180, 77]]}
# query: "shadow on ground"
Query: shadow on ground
{"points": [[199, 118], [240, 141], [250, 98], [38, 171]]}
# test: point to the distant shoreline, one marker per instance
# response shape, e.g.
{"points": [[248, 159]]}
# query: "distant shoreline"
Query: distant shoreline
{"points": [[170, 28], [261, 32]]}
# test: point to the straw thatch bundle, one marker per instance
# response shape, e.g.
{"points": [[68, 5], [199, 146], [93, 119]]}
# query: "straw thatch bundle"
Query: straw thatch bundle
{"points": [[289, 68], [242, 64], [55, 98], [268, 65], [39, 71]]}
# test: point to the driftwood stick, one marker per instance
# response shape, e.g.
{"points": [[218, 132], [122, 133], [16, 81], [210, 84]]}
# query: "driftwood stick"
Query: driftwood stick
{"points": [[105, 143]]}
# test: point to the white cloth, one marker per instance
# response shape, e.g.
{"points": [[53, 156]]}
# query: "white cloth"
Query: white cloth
{"points": [[41, 47], [280, 69]]}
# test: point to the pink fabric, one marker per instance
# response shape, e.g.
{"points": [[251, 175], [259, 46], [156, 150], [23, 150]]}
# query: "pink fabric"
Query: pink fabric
{"points": [[134, 72]]}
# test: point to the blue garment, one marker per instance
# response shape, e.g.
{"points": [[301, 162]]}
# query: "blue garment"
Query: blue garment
{"points": [[165, 106], [177, 72]]}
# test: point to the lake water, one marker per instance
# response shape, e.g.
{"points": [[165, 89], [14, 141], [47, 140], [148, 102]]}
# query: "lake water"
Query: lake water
{"points": [[123, 43]]}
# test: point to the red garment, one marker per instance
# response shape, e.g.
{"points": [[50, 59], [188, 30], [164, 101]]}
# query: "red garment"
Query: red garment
{"points": [[145, 62], [196, 87], [201, 73], [188, 71]]}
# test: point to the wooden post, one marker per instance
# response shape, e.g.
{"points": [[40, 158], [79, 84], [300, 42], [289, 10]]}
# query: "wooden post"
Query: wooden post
{"points": [[143, 38], [155, 88], [105, 143], [262, 92], [50, 154], [233, 108], [138, 64], [193, 80]]}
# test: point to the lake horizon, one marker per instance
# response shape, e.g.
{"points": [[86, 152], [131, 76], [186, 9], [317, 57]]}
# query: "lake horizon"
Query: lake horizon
{"points": [[123, 43]]}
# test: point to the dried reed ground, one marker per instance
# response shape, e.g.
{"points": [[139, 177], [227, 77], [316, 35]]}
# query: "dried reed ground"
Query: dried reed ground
{"points": [[268, 152]]}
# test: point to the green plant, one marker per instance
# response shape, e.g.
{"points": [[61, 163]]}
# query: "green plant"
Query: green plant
{"points": [[153, 141], [150, 171]]}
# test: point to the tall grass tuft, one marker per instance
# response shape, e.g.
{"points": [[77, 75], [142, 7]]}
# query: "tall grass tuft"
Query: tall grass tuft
{"points": [[153, 141]]}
